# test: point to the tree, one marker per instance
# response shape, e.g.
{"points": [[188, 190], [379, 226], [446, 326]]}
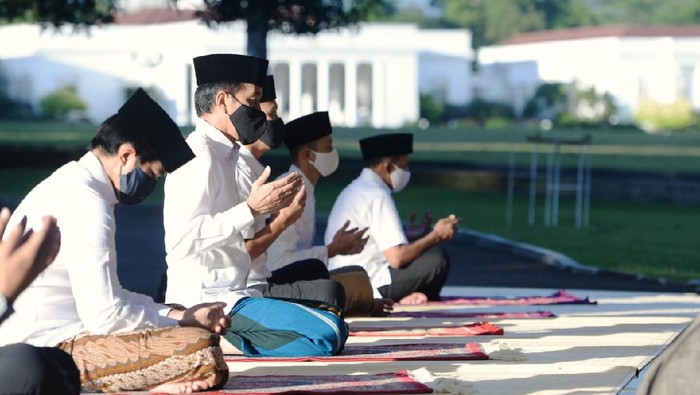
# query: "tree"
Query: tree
{"points": [[58, 12], [291, 16], [262, 16], [492, 21]]}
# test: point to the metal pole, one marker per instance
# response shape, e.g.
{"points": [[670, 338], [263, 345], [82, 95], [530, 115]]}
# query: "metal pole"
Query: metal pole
{"points": [[533, 187], [511, 187], [556, 187], [587, 200], [548, 188], [579, 185]]}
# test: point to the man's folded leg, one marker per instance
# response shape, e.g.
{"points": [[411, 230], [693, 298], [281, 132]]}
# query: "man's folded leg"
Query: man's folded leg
{"points": [[270, 327], [144, 359]]}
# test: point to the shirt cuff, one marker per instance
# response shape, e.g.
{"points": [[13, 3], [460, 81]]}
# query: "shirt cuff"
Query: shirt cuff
{"points": [[240, 216], [163, 320], [5, 308]]}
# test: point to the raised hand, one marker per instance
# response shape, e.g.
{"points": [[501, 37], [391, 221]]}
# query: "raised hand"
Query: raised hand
{"points": [[347, 241], [446, 228], [415, 230], [291, 213], [266, 198], [23, 257]]}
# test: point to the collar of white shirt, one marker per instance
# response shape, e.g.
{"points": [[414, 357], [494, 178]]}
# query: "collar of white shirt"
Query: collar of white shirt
{"points": [[92, 164], [222, 144], [372, 177]]}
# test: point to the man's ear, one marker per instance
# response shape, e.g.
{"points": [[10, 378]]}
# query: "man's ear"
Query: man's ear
{"points": [[125, 151], [220, 99], [387, 165]]}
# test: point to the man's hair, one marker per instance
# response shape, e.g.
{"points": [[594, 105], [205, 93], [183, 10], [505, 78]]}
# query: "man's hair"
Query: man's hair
{"points": [[205, 94], [114, 132], [294, 152], [375, 161]]}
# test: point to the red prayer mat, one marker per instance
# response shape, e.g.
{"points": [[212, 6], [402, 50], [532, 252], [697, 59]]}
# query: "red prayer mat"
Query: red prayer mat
{"points": [[475, 329], [483, 315], [387, 352], [559, 297], [384, 383]]}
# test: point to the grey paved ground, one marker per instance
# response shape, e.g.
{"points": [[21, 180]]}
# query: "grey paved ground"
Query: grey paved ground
{"points": [[141, 261]]}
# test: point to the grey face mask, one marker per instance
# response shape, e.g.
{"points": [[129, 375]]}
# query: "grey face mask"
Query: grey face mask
{"points": [[135, 186]]}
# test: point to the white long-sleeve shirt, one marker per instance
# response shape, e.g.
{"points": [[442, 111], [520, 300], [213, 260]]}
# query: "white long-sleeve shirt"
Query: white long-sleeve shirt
{"points": [[80, 290], [367, 202], [248, 170], [204, 216], [296, 243]]}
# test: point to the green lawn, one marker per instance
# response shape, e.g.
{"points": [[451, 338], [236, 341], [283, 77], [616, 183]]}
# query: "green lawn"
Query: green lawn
{"points": [[611, 148], [655, 239]]}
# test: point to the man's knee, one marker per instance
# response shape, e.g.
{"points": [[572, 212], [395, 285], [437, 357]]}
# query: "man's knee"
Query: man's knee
{"points": [[334, 290], [25, 369], [359, 295]]}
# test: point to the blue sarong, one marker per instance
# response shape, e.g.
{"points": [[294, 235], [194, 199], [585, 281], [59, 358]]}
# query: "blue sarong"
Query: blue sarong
{"points": [[264, 327]]}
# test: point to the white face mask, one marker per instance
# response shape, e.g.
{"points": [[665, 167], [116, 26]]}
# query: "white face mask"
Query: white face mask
{"points": [[326, 162], [399, 178]]}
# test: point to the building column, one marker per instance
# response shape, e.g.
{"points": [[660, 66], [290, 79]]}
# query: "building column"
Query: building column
{"points": [[294, 89], [378, 91], [322, 86], [350, 109]]}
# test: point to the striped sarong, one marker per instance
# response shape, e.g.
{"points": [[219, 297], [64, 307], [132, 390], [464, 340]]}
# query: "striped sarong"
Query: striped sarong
{"points": [[264, 327]]}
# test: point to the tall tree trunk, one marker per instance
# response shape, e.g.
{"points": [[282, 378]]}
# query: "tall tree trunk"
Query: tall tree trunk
{"points": [[256, 19]]}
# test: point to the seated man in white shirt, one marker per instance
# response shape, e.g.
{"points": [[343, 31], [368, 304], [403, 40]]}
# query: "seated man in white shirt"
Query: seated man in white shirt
{"points": [[120, 340], [205, 215], [26, 369], [407, 272], [292, 257], [250, 169]]}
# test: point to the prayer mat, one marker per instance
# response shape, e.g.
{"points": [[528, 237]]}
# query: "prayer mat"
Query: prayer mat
{"points": [[385, 383], [475, 329], [484, 315], [387, 352], [559, 297]]}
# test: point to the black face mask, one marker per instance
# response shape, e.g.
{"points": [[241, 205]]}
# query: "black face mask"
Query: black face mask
{"points": [[250, 123], [274, 137], [135, 186]]}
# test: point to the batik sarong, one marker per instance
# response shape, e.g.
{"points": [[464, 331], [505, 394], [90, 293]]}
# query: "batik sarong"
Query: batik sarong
{"points": [[143, 359]]}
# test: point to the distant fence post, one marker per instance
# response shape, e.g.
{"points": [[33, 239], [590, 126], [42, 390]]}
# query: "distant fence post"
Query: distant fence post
{"points": [[553, 185]]}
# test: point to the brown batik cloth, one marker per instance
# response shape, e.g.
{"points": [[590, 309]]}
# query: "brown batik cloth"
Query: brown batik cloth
{"points": [[140, 360], [359, 295]]}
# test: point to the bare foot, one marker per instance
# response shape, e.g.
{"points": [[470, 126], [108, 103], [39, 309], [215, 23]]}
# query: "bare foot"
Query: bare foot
{"points": [[184, 387], [414, 298]]}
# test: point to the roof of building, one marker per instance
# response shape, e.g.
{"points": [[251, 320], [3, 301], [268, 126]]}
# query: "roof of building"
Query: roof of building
{"points": [[149, 16], [602, 31]]}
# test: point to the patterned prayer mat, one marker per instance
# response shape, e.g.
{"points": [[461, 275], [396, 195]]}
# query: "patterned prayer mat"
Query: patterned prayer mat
{"points": [[559, 297], [387, 352], [475, 329], [384, 383], [483, 315]]}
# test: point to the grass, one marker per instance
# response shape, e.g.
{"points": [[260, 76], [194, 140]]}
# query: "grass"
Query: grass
{"points": [[610, 148], [655, 239]]}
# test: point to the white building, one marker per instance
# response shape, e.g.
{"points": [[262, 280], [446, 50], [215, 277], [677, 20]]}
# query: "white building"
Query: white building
{"points": [[631, 63], [366, 76]]}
